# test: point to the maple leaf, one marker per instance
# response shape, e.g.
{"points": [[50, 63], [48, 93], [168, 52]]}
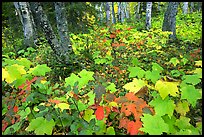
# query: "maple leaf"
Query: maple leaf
{"points": [[182, 107], [166, 88], [154, 125], [191, 94], [163, 107], [136, 71], [133, 127], [99, 113], [123, 122], [131, 96], [191, 79], [135, 85]]}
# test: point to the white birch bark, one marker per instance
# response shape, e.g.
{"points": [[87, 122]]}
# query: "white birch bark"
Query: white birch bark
{"points": [[148, 15], [185, 7]]}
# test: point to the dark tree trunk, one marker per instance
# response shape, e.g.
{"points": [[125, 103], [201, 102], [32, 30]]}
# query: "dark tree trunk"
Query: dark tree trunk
{"points": [[169, 23]]}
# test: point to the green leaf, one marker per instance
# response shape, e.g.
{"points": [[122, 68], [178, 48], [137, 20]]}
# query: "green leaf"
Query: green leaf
{"points": [[135, 85], [184, 60], [91, 96], [154, 125], [153, 75], [136, 71], [183, 122], [88, 75], [25, 62], [85, 132], [89, 115], [182, 107], [157, 67], [110, 131], [81, 105], [135, 62], [174, 61], [191, 79], [166, 88], [191, 94], [163, 107], [175, 73], [111, 87], [12, 129], [39, 70], [170, 121], [41, 126], [71, 80]]}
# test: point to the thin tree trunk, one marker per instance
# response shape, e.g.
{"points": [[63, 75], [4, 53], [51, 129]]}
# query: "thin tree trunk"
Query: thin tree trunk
{"points": [[127, 14], [138, 11], [23, 10], [192, 7], [113, 13], [107, 13], [169, 23], [148, 15], [122, 12], [101, 12], [119, 11], [185, 7], [158, 6], [62, 53]]}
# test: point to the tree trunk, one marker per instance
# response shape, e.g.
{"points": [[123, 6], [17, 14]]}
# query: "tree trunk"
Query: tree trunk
{"points": [[107, 14], [192, 7], [23, 10], [148, 15], [62, 53], [158, 6], [113, 13], [122, 12], [199, 6], [119, 11], [169, 23], [62, 26], [101, 12], [185, 7], [138, 11], [126, 10]]}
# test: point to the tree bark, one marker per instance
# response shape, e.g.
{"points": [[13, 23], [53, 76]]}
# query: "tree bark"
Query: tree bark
{"points": [[192, 7], [122, 12], [119, 11], [138, 11], [23, 10], [169, 23], [185, 7], [62, 52], [62, 26], [148, 15], [113, 13], [107, 14]]}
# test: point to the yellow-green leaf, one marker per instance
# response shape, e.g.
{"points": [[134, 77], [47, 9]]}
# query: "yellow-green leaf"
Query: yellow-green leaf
{"points": [[182, 107], [166, 88], [135, 85], [198, 63], [62, 106]]}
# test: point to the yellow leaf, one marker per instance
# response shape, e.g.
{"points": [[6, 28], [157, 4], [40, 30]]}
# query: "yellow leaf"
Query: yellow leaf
{"points": [[5, 74], [43, 81], [198, 63], [112, 104], [135, 85], [20, 68], [62, 106]]}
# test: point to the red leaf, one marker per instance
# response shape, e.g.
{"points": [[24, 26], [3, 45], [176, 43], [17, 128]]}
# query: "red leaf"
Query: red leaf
{"points": [[54, 101], [133, 127], [15, 109], [99, 113], [4, 126], [13, 121], [24, 99]]}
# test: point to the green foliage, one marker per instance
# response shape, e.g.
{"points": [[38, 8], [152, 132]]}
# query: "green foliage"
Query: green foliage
{"points": [[154, 125]]}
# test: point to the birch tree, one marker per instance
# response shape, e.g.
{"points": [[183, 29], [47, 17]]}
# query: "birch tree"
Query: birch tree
{"points": [[23, 10], [119, 11], [169, 23], [185, 7], [122, 12], [61, 51], [138, 11], [148, 15]]}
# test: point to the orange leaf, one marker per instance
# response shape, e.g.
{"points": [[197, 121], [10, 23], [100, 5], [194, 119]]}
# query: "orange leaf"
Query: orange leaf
{"points": [[133, 127], [99, 113], [54, 101], [124, 122], [131, 96], [4, 126], [15, 109]]}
